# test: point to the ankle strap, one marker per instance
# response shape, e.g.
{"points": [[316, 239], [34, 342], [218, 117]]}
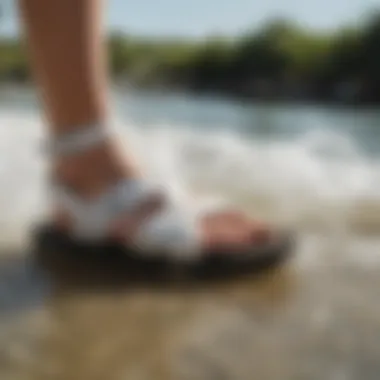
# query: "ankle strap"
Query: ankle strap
{"points": [[78, 141]]}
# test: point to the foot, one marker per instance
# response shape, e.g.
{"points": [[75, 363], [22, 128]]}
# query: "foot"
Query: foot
{"points": [[90, 174]]}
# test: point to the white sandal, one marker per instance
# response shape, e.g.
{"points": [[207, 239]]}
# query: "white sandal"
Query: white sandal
{"points": [[172, 234]]}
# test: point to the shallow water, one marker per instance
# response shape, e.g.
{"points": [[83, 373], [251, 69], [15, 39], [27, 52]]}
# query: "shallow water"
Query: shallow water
{"points": [[316, 318], [306, 321]]}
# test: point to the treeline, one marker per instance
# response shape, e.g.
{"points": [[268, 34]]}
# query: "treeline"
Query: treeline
{"points": [[280, 61]]}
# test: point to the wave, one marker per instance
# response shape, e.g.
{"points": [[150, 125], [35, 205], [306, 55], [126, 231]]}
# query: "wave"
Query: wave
{"points": [[318, 179]]}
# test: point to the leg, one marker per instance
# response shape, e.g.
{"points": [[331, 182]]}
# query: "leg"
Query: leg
{"points": [[67, 51]]}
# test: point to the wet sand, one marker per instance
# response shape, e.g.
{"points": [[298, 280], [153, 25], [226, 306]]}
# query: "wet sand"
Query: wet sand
{"points": [[316, 318]]}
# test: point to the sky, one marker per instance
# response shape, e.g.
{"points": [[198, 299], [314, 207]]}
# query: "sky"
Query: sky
{"points": [[197, 18]]}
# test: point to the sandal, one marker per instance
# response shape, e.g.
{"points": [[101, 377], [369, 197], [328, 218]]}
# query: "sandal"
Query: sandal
{"points": [[170, 235]]}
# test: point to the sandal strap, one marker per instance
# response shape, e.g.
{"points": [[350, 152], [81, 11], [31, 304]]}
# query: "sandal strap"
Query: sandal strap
{"points": [[92, 218], [84, 138], [173, 231]]}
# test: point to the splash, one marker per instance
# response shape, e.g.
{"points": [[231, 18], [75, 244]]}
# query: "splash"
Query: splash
{"points": [[318, 179]]}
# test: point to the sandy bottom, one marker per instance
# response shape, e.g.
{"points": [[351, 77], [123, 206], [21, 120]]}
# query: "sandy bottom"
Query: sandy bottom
{"points": [[317, 318]]}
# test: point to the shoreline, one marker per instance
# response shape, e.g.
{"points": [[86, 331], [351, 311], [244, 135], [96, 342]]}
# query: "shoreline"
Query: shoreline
{"points": [[307, 101], [231, 96]]}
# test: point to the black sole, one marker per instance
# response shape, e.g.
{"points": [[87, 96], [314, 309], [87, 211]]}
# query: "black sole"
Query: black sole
{"points": [[49, 242]]}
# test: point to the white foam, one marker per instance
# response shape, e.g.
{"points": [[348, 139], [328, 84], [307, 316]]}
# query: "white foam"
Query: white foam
{"points": [[318, 176], [315, 179]]}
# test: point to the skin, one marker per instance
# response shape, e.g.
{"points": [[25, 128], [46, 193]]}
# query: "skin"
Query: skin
{"points": [[68, 57]]}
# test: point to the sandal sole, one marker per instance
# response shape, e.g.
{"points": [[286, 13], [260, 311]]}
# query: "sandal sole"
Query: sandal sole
{"points": [[48, 240]]}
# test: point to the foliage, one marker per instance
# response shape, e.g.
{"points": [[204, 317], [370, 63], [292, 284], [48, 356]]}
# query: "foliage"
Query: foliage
{"points": [[281, 59]]}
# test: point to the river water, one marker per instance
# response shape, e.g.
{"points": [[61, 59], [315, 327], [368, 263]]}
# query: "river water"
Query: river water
{"points": [[314, 168]]}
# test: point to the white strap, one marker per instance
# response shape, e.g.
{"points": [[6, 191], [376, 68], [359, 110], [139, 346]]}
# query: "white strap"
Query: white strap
{"points": [[172, 231], [84, 138], [92, 218]]}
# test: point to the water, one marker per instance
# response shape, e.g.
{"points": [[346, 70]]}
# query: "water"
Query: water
{"points": [[314, 168]]}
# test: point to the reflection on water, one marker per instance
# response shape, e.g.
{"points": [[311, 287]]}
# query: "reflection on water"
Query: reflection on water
{"points": [[65, 319], [93, 322]]}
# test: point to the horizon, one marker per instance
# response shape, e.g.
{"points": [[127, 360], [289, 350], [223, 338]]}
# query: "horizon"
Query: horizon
{"points": [[198, 20]]}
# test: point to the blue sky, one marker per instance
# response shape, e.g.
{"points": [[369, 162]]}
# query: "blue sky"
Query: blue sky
{"points": [[202, 17]]}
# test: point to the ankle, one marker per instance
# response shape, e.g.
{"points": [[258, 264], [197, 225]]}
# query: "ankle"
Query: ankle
{"points": [[89, 172]]}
